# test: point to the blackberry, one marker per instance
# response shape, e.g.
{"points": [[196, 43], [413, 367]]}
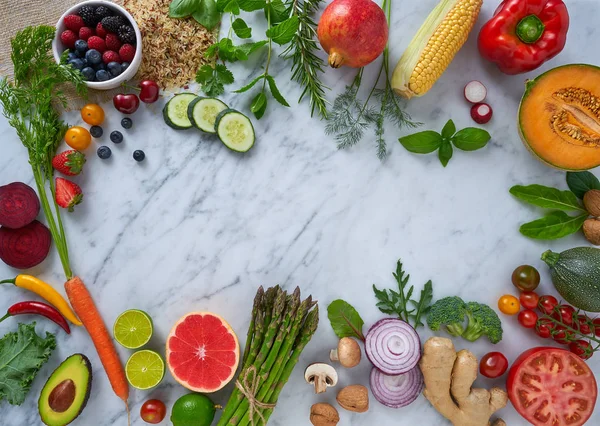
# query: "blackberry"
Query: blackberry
{"points": [[102, 12], [112, 23], [88, 14], [126, 34]]}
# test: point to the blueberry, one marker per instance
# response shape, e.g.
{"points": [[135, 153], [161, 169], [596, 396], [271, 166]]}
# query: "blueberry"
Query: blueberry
{"points": [[71, 56], [76, 63], [96, 131], [81, 46], [80, 54], [99, 67], [102, 75], [114, 68], [116, 136], [126, 123], [88, 73], [93, 57], [124, 66], [104, 152], [139, 155]]}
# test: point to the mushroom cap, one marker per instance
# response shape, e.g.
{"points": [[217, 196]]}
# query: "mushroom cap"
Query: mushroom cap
{"points": [[320, 369], [348, 352]]}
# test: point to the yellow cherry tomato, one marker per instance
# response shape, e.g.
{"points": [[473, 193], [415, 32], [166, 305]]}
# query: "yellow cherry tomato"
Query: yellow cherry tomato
{"points": [[78, 138], [509, 304], [92, 114]]}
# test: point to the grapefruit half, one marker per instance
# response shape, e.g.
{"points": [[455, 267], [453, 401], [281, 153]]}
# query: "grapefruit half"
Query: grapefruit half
{"points": [[203, 352]]}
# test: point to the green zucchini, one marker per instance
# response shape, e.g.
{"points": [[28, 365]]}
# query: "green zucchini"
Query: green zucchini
{"points": [[175, 111], [576, 276], [203, 112], [235, 130]]}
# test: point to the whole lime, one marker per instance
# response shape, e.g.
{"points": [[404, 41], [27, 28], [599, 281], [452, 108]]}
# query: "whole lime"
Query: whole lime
{"points": [[193, 409]]}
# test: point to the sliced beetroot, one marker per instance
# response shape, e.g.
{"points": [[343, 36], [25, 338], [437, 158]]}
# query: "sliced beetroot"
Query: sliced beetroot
{"points": [[25, 247], [19, 205]]}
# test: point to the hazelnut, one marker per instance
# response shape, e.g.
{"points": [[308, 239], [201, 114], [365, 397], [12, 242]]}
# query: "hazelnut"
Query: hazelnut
{"points": [[354, 398], [591, 230], [591, 201], [347, 353], [324, 415]]}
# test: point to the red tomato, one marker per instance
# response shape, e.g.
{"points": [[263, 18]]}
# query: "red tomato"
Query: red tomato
{"points": [[537, 387], [565, 314], [544, 327], [561, 335], [528, 318], [584, 324], [153, 411], [529, 299], [493, 365], [581, 348], [547, 304], [596, 323]]}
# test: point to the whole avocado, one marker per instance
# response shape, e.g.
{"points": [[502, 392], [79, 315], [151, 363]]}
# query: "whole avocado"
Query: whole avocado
{"points": [[576, 276]]}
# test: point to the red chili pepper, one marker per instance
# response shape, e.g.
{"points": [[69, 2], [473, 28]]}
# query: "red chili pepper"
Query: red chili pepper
{"points": [[37, 308], [523, 34]]}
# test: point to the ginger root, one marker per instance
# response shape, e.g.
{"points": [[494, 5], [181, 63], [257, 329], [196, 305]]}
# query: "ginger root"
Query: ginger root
{"points": [[448, 379]]}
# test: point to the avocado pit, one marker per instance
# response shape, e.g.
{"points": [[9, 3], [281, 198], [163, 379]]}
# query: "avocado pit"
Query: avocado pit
{"points": [[62, 396]]}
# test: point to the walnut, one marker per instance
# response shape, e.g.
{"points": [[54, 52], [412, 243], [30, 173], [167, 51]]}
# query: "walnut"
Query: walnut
{"points": [[591, 230], [354, 398], [591, 201], [324, 415]]}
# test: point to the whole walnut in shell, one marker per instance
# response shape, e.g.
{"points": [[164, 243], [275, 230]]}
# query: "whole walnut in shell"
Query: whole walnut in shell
{"points": [[591, 230], [591, 201]]}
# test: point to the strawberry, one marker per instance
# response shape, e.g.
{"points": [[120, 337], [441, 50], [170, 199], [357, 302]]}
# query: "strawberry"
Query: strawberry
{"points": [[68, 38], [97, 43], [112, 42], [68, 194], [74, 22], [69, 163], [110, 56], [127, 52], [100, 31], [85, 33]]}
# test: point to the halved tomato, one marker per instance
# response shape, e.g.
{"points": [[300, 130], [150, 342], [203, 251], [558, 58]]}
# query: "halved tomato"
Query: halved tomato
{"points": [[552, 386]]}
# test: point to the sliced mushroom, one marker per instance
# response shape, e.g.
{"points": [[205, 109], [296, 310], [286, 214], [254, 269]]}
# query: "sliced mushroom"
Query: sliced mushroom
{"points": [[321, 375], [347, 353]]}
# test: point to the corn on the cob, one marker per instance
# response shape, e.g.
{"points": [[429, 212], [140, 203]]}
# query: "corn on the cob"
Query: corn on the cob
{"points": [[432, 49]]}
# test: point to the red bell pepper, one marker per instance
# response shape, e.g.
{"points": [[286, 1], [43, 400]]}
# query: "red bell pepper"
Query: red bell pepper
{"points": [[523, 34]]}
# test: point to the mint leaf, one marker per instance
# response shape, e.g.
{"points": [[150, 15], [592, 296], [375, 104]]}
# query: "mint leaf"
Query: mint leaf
{"points": [[275, 91], [249, 48], [249, 85], [284, 32], [183, 8], [546, 197], [449, 130], [581, 182], [422, 142], [471, 139], [228, 6], [208, 16], [259, 105], [252, 5], [345, 320], [241, 29], [22, 354], [277, 10], [553, 226]]}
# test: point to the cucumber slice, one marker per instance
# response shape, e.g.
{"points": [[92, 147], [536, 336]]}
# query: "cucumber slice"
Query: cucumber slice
{"points": [[235, 130], [175, 111], [203, 112]]}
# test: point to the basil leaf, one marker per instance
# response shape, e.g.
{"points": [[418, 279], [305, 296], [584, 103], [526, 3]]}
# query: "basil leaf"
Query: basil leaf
{"points": [[581, 182], [284, 32], [275, 91], [183, 8], [445, 152], [553, 226], [449, 129], [252, 5], [241, 29], [208, 16], [546, 197], [422, 142], [471, 139], [345, 320], [249, 85]]}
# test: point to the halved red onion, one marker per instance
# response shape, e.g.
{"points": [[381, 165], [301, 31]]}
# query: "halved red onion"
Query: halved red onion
{"points": [[393, 346], [396, 391]]}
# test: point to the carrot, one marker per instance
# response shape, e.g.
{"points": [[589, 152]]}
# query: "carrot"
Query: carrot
{"points": [[84, 307]]}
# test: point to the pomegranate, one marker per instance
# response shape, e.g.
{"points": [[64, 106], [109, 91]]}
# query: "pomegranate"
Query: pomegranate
{"points": [[353, 32]]}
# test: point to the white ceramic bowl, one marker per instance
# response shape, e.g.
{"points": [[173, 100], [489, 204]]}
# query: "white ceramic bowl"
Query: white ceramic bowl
{"points": [[58, 48]]}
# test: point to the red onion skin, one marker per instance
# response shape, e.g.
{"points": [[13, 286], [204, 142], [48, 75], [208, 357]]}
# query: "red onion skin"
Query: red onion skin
{"points": [[402, 368], [414, 376], [19, 205], [26, 247]]}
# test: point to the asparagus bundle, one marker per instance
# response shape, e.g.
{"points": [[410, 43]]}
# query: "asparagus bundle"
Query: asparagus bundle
{"points": [[281, 326]]}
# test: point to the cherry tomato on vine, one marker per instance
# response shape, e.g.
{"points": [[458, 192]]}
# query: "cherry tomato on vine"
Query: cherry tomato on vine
{"points": [[153, 411], [544, 327], [565, 314], [561, 335], [529, 299], [584, 324], [526, 278], [547, 304], [581, 348], [528, 318], [78, 138], [92, 114], [596, 322], [509, 304], [493, 365]]}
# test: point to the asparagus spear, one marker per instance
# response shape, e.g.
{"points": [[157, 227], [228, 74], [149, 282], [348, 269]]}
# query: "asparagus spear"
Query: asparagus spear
{"points": [[258, 300]]}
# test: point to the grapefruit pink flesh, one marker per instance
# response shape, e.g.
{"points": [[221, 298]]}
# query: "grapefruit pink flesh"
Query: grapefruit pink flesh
{"points": [[203, 352]]}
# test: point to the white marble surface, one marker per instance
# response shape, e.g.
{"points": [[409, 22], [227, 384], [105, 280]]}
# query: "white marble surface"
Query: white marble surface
{"points": [[197, 227]]}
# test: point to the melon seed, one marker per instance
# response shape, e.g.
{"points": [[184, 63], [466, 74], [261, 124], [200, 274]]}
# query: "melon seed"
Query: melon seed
{"points": [[579, 117]]}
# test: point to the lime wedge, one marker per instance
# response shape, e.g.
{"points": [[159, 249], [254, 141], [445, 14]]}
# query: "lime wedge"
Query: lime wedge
{"points": [[133, 329], [145, 369]]}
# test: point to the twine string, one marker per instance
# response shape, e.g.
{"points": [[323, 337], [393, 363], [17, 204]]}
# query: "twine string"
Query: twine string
{"points": [[249, 388]]}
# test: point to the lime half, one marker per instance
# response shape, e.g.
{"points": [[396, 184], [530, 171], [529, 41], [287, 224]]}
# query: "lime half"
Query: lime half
{"points": [[145, 369], [133, 329]]}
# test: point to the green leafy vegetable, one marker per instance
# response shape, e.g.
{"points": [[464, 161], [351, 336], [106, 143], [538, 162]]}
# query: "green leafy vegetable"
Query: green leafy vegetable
{"points": [[553, 226], [22, 354], [399, 302], [213, 80], [546, 197], [345, 320], [241, 29], [581, 182]]}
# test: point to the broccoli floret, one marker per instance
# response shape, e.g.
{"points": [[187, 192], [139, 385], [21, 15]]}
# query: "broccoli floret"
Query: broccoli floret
{"points": [[482, 321], [449, 311]]}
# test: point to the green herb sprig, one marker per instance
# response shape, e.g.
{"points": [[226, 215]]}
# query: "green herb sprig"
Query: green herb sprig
{"points": [[203, 11]]}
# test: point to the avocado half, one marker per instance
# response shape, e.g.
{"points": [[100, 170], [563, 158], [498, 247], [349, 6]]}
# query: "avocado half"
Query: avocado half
{"points": [[66, 392]]}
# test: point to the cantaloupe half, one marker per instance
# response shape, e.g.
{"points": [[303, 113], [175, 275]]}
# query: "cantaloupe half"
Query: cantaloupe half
{"points": [[559, 117]]}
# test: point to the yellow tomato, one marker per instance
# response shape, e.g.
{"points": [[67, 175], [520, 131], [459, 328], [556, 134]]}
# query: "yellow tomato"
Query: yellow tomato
{"points": [[78, 138], [509, 305], [92, 114]]}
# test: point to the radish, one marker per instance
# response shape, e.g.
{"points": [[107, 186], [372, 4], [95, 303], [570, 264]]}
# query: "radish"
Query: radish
{"points": [[19, 205], [396, 391], [393, 346], [475, 92], [481, 113], [25, 247]]}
